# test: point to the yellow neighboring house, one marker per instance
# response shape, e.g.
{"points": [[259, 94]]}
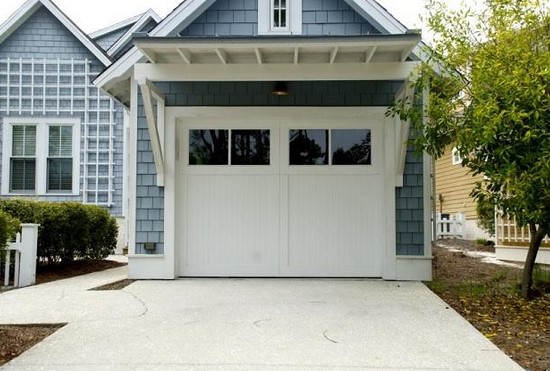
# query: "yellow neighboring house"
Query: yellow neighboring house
{"points": [[453, 186]]}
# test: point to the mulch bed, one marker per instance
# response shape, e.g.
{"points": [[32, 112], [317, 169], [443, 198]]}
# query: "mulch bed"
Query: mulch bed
{"points": [[487, 296], [49, 273], [14, 340], [118, 285]]}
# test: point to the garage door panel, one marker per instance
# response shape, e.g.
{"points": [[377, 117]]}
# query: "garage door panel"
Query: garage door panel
{"points": [[335, 225], [228, 229]]}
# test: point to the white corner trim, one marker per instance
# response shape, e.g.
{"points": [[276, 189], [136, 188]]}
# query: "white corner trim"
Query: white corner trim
{"points": [[132, 167], [294, 18], [390, 265], [31, 6], [124, 39]]}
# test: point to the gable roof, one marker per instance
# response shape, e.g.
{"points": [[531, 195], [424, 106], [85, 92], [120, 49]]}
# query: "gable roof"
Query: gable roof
{"points": [[31, 6], [115, 27], [189, 10], [146, 17]]}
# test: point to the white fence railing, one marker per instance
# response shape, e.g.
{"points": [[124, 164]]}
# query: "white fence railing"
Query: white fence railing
{"points": [[24, 251], [449, 226]]}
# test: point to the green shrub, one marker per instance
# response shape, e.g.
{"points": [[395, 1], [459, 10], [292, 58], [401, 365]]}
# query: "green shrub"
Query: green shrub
{"points": [[68, 230], [486, 216], [8, 228]]}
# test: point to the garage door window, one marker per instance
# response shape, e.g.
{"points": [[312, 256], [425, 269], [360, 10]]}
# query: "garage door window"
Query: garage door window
{"points": [[351, 147], [213, 147], [309, 147], [347, 147]]}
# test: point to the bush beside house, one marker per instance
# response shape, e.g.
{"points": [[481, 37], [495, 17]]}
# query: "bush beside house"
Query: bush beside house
{"points": [[8, 229], [68, 230]]}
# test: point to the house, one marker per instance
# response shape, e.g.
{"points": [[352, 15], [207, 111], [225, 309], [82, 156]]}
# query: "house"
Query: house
{"points": [[454, 183], [62, 139], [259, 143]]}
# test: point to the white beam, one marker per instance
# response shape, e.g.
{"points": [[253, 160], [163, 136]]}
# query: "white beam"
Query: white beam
{"points": [[150, 55], [370, 53], [152, 125], [333, 55], [222, 55], [259, 56], [274, 72], [185, 55], [407, 52]]}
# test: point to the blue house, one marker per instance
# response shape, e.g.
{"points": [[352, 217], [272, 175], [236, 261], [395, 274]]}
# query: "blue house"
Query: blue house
{"points": [[259, 144], [62, 138]]}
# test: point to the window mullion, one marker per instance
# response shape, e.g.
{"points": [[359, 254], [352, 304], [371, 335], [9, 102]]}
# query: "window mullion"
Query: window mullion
{"points": [[42, 155]]}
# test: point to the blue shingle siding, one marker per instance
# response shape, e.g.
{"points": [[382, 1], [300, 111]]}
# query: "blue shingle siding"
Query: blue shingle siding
{"points": [[410, 230], [410, 208], [240, 18], [226, 18], [108, 40], [149, 197], [43, 42], [333, 18]]}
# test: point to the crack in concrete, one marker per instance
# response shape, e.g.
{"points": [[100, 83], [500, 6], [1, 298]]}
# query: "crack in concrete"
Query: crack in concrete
{"points": [[328, 338], [257, 323]]}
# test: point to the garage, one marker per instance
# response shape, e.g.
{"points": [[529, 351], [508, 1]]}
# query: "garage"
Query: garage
{"points": [[281, 198]]}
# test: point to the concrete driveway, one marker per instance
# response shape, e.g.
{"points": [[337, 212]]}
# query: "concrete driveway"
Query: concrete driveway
{"points": [[247, 324]]}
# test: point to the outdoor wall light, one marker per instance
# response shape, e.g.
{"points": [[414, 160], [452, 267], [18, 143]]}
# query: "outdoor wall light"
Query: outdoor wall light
{"points": [[280, 89]]}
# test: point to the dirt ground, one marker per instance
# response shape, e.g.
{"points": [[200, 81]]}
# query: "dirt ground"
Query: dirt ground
{"points": [[14, 340], [487, 296]]}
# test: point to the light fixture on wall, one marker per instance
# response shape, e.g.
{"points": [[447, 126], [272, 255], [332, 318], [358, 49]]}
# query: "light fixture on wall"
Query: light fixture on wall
{"points": [[280, 89]]}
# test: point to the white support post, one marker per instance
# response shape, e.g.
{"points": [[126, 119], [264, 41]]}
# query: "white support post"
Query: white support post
{"points": [[29, 244], [7, 268], [148, 91]]}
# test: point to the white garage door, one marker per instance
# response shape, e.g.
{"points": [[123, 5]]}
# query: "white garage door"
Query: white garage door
{"points": [[270, 198]]}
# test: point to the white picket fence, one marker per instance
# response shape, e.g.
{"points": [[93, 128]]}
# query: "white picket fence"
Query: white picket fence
{"points": [[24, 252], [450, 226]]}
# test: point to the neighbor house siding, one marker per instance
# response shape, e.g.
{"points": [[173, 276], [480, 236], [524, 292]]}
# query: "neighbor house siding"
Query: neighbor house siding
{"points": [[150, 199], [454, 183], [108, 40], [240, 18], [43, 40]]}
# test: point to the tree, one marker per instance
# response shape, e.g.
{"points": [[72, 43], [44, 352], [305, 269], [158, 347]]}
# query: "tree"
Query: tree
{"points": [[488, 72]]}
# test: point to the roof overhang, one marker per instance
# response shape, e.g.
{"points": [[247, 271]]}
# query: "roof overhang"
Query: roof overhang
{"points": [[278, 50], [373, 57]]}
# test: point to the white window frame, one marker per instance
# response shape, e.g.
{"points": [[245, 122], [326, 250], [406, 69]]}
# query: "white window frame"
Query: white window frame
{"points": [[265, 18], [42, 154], [455, 157]]}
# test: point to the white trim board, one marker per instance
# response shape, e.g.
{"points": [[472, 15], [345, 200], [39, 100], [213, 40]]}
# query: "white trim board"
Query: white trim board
{"points": [[115, 27], [281, 72], [31, 6]]}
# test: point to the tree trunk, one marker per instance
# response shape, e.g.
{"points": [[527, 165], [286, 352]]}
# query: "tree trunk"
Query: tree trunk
{"points": [[537, 234]]}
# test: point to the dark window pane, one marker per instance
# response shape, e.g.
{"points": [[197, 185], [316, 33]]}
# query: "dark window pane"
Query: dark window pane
{"points": [[208, 147], [250, 147], [22, 174], [351, 147], [308, 147], [282, 20], [60, 174]]}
